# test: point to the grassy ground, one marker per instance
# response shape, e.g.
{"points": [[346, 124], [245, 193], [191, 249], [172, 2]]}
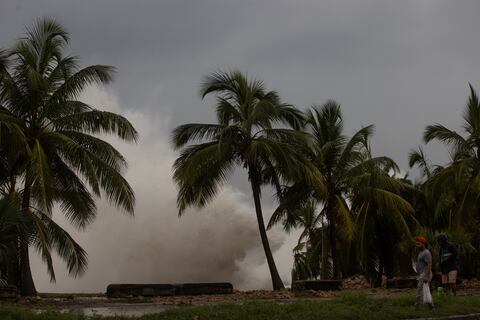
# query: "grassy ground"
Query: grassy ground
{"points": [[351, 306]]}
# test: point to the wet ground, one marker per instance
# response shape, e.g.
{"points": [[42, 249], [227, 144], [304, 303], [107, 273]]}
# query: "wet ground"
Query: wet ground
{"points": [[130, 310]]}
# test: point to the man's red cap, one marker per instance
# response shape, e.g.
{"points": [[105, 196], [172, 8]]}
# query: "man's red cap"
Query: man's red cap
{"points": [[422, 239]]}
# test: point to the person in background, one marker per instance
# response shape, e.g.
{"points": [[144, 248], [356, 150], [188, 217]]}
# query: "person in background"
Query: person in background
{"points": [[449, 263], [424, 270]]}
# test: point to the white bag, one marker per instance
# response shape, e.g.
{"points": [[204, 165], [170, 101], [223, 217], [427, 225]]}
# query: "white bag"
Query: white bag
{"points": [[427, 296]]}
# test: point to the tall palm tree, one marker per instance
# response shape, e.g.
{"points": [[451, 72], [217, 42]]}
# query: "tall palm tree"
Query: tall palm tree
{"points": [[345, 165], [463, 171], [247, 133], [454, 188], [59, 159], [334, 156], [382, 214]]}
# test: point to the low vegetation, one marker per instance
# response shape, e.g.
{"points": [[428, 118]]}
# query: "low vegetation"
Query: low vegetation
{"points": [[350, 306]]}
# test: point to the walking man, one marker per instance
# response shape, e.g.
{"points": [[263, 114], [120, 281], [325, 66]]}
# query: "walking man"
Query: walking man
{"points": [[424, 270], [449, 263]]}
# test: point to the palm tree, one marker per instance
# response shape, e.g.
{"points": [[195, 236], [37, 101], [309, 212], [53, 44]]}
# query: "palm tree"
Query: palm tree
{"points": [[454, 189], [346, 166], [382, 214], [334, 156], [463, 171], [310, 258], [247, 133], [59, 159]]}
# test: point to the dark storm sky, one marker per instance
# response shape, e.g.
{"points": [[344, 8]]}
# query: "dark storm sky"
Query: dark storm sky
{"points": [[398, 64]]}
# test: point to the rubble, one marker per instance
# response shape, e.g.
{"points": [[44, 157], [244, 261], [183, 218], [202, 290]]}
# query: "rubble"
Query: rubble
{"points": [[356, 282], [470, 283]]}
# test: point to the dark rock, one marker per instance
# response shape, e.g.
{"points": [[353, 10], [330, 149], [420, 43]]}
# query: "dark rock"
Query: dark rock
{"points": [[316, 285], [8, 292], [146, 290], [186, 289]]}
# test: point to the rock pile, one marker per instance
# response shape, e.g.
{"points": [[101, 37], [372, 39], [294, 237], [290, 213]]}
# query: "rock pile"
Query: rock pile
{"points": [[356, 282], [471, 283]]}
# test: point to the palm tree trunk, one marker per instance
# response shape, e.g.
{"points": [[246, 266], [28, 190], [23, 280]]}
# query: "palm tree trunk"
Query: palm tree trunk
{"points": [[14, 266], [382, 251], [324, 272], [332, 232], [381, 265], [333, 246], [255, 183], [26, 284]]}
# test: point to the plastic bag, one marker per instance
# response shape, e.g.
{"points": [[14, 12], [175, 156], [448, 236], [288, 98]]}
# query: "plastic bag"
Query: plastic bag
{"points": [[427, 296]]}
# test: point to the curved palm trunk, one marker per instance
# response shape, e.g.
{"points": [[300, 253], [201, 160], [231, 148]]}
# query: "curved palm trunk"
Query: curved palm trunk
{"points": [[26, 284], [255, 183]]}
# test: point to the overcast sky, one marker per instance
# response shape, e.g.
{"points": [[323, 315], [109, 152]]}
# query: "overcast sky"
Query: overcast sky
{"points": [[400, 65]]}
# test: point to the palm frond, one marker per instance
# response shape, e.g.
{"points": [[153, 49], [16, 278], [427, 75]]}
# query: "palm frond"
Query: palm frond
{"points": [[66, 247], [76, 83], [98, 122], [443, 134], [417, 157], [345, 216], [199, 172], [191, 132], [42, 179]]}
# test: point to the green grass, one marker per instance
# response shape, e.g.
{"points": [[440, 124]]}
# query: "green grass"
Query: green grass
{"points": [[350, 306]]}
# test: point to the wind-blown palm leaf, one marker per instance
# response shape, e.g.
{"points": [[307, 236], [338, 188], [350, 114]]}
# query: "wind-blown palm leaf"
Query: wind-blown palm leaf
{"points": [[188, 133], [345, 216], [443, 134], [98, 122], [417, 157], [200, 171], [65, 246], [76, 83], [40, 172]]}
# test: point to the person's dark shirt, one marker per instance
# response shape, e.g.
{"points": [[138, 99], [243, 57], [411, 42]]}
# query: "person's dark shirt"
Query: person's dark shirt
{"points": [[448, 258]]}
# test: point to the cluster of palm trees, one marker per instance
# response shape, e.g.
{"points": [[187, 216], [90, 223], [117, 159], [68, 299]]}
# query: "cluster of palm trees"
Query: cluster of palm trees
{"points": [[50, 155], [448, 196], [356, 213]]}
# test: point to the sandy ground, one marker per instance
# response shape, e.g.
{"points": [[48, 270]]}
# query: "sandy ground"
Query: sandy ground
{"points": [[99, 303]]}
